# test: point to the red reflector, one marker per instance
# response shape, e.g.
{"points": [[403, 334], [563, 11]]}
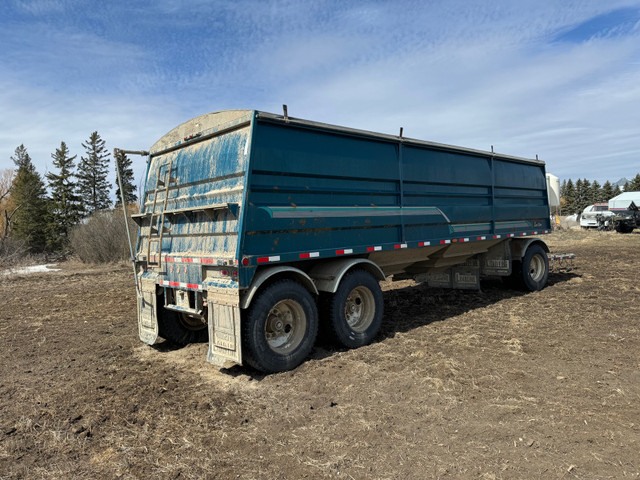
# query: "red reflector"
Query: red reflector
{"points": [[245, 261]]}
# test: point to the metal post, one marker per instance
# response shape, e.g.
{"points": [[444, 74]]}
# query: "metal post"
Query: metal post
{"points": [[124, 211]]}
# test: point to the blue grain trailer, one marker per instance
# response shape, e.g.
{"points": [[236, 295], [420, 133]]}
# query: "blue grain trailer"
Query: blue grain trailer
{"points": [[256, 229]]}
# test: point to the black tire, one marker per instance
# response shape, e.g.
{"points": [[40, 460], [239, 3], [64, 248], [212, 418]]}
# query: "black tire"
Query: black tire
{"points": [[354, 312], [624, 229], [180, 329], [280, 327], [532, 272]]}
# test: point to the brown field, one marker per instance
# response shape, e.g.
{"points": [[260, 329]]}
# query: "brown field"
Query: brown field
{"points": [[492, 385]]}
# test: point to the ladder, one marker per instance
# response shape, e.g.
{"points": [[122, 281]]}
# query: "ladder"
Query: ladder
{"points": [[156, 220]]}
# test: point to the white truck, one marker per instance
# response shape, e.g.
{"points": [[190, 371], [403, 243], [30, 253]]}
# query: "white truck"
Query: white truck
{"points": [[597, 216]]}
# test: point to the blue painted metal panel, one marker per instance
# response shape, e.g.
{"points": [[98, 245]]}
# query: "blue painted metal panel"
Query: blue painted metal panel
{"points": [[203, 201], [306, 190], [316, 189]]}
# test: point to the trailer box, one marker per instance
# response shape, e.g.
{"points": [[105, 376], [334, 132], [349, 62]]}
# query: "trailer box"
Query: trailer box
{"points": [[256, 229]]}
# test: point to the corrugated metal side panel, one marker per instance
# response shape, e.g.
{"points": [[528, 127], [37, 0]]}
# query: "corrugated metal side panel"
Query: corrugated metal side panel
{"points": [[208, 173], [312, 189]]}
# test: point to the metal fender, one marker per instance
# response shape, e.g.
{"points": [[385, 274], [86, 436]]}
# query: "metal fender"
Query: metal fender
{"points": [[265, 274], [327, 276], [519, 246]]}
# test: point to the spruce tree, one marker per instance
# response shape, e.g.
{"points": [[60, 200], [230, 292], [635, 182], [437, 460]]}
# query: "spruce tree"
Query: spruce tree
{"points": [[93, 186], [607, 191], [634, 185], [596, 192], [617, 191], [583, 194], [563, 188], [579, 196], [126, 175], [65, 202], [569, 198], [28, 194]]}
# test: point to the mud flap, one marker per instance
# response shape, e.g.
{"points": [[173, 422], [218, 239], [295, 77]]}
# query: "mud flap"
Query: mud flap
{"points": [[225, 340], [148, 312]]}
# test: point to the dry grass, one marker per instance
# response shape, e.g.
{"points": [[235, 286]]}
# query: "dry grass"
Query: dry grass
{"points": [[492, 384]]}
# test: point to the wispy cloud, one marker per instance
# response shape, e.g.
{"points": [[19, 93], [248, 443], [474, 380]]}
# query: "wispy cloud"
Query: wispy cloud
{"points": [[558, 79]]}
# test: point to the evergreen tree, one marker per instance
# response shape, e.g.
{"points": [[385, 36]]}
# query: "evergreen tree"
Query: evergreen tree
{"points": [[126, 174], [596, 192], [579, 196], [563, 188], [28, 194], [617, 191], [92, 175], [569, 198], [65, 203], [634, 185], [607, 191], [583, 194]]}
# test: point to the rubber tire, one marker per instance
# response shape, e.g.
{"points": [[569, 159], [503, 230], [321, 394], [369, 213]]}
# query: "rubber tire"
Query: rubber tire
{"points": [[521, 276], [333, 310], [624, 229], [256, 351], [172, 328]]}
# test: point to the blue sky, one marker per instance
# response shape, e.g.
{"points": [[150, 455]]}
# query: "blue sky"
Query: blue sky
{"points": [[560, 79]]}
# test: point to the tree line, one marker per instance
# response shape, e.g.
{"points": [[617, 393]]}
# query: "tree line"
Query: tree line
{"points": [[576, 196], [38, 213]]}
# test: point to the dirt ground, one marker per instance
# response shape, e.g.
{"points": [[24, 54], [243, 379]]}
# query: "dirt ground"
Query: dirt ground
{"points": [[494, 384]]}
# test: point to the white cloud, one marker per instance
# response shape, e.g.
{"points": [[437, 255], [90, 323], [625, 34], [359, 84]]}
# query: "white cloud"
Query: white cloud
{"points": [[461, 72]]}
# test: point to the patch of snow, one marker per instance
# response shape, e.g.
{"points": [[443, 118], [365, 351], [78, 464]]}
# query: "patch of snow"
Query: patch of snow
{"points": [[31, 269]]}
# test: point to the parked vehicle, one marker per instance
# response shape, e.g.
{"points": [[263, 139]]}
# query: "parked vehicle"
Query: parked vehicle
{"points": [[626, 214], [597, 216], [258, 229], [626, 220]]}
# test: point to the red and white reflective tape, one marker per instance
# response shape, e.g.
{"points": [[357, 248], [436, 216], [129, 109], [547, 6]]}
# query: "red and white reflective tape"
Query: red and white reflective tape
{"points": [[275, 258], [345, 251], [197, 260], [193, 286]]}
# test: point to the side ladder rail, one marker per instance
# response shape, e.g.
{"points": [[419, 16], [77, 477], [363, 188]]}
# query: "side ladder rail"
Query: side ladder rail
{"points": [[155, 234]]}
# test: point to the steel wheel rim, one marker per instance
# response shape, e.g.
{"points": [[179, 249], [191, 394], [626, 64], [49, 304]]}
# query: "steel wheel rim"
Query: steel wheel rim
{"points": [[285, 327], [536, 268], [360, 309], [191, 323]]}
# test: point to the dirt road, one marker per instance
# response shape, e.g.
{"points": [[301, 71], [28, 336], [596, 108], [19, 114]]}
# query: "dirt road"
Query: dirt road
{"points": [[493, 385]]}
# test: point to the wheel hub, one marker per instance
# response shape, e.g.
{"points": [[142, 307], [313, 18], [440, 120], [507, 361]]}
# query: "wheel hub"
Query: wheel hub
{"points": [[285, 326], [359, 309]]}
